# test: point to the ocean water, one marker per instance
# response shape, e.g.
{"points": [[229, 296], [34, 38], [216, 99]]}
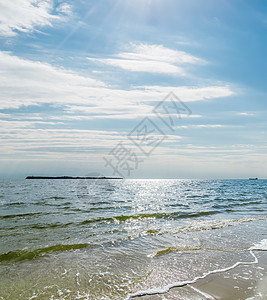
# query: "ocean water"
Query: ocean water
{"points": [[120, 239]]}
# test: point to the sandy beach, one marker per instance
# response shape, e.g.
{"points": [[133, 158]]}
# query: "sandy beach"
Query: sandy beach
{"points": [[247, 281]]}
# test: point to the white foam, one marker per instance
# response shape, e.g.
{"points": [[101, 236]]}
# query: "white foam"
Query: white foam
{"points": [[262, 245], [200, 225], [165, 289]]}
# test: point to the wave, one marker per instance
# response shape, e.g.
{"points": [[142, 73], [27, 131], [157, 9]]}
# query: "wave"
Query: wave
{"points": [[143, 216], [262, 245], [56, 198], [201, 225], [220, 206], [22, 215], [175, 249], [245, 203], [200, 214], [15, 203], [159, 291], [123, 218], [49, 226], [216, 224], [19, 255], [174, 215], [196, 248]]}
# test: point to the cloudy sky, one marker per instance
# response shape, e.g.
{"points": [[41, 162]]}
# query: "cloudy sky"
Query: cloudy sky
{"points": [[138, 88]]}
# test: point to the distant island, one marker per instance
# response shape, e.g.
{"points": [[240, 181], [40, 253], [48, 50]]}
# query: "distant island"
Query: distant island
{"points": [[70, 177]]}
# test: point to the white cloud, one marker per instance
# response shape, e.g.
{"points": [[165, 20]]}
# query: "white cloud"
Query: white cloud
{"points": [[135, 65], [159, 53], [7, 125], [202, 126], [26, 15], [209, 126], [245, 114], [22, 137], [24, 82], [191, 94], [64, 8], [151, 59]]}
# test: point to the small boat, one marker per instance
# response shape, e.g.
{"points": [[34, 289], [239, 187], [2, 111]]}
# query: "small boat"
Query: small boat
{"points": [[253, 178]]}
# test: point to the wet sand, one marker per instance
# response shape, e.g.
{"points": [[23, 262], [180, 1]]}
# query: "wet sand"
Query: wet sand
{"points": [[242, 282], [248, 281]]}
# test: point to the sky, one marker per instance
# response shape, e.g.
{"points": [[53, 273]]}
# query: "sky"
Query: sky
{"points": [[133, 88]]}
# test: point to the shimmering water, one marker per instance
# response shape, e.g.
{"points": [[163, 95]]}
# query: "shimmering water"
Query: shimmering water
{"points": [[106, 239]]}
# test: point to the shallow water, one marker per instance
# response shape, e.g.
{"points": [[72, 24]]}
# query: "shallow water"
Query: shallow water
{"points": [[106, 239]]}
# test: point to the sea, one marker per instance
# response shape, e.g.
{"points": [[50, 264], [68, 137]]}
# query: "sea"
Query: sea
{"points": [[126, 238]]}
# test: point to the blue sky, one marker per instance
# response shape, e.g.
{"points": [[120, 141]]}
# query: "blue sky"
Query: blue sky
{"points": [[77, 78]]}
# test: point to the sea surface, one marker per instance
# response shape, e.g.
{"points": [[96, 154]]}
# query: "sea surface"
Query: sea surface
{"points": [[119, 239]]}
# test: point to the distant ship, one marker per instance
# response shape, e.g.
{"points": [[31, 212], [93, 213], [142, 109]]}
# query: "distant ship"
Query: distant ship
{"points": [[253, 178]]}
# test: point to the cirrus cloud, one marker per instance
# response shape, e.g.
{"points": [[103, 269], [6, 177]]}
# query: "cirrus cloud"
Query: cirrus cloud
{"points": [[26, 15], [151, 59], [25, 82]]}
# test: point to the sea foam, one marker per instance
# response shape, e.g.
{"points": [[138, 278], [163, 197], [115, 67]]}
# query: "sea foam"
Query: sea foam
{"points": [[262, 245]]}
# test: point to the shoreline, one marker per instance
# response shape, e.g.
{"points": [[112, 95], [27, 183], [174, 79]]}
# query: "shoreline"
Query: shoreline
{"points": [[245, 280]]}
